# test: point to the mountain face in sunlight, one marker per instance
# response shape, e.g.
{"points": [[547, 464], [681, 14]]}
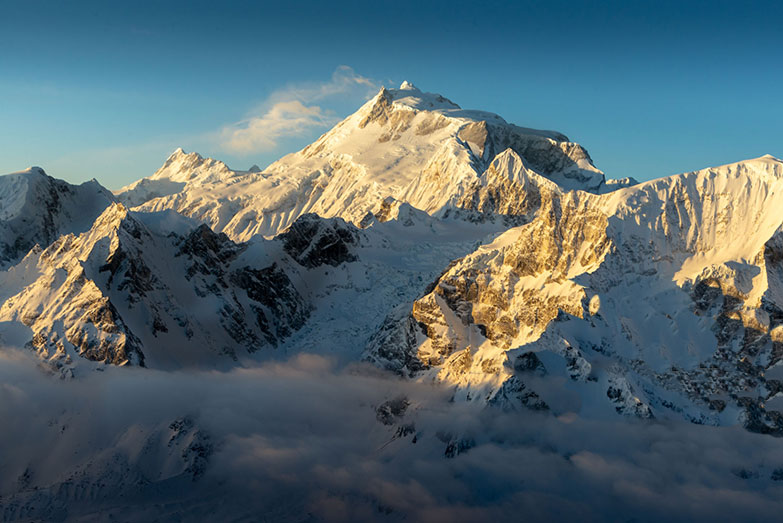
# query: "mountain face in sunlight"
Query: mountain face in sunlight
{"points": [[442, 298], [418, 148]]}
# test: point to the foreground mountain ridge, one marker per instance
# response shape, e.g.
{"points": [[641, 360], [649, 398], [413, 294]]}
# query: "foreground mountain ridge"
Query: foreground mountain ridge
{"points": [[155, 289]]}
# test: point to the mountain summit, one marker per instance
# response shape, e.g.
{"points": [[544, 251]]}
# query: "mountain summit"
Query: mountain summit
{"points": [[415, 147]]}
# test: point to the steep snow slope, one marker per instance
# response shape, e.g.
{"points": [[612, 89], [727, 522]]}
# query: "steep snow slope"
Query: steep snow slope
{"points": [[392, 265], [659, 299], [37, 209], [416, 147]]}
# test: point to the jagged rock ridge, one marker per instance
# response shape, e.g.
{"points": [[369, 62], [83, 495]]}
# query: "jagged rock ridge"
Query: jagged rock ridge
{"points": [[155, 289]]}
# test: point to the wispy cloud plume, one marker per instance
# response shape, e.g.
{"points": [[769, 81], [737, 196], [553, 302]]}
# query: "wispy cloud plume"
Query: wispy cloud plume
{"points": [[294, 111], [283, 119]]}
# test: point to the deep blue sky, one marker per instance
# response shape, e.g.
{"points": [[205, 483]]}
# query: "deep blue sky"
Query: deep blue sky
{"points": [[108, 89]]}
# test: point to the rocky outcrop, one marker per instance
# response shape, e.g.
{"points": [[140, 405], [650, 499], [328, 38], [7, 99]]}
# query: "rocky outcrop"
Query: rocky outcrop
{"points": [[651, 301], [312, 241]]}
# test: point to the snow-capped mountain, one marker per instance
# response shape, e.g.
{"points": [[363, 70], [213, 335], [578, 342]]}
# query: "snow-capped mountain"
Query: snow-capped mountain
{"points": [[177, 172], [662, 299], [416, 147], [446, 246], [149, 289], [36, 209]]}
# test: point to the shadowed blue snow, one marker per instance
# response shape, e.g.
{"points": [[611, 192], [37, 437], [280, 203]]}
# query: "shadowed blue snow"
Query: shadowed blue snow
{"points": [[108, 89]]}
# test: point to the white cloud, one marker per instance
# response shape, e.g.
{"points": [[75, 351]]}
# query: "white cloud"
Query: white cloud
{"points": [[283, 119], [344, 81], [292, 112]]}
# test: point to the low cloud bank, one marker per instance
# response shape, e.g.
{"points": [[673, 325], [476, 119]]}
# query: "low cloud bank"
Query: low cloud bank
{"points": [[306, 440]]}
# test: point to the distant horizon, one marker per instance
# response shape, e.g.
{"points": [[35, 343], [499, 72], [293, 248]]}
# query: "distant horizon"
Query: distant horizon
{"points": [[650, 90]]}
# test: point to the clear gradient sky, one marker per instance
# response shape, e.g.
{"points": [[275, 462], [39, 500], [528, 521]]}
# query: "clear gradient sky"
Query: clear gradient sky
{"points": [[108, 89]]}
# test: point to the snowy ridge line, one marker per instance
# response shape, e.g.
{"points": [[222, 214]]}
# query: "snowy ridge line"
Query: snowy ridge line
{"points": [[418, 148]]}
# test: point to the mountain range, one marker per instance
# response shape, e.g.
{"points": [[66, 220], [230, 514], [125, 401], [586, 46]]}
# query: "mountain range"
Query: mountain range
{"points": [[439, 244]]}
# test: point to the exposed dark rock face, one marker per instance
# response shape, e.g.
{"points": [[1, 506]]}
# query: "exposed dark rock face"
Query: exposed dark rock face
{"points": [[208, 251], [280, 309], [392, 411], [196, 446], [394, 345], [313, 241], [134, 275], [455, 445], [529, 362], [514, 393]]}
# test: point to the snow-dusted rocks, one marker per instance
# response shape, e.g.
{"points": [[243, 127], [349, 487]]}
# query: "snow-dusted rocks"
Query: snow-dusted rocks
{"points": [[313, 241]]}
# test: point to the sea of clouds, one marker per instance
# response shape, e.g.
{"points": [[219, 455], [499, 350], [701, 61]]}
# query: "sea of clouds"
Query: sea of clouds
{"points": [[308, 440]]}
